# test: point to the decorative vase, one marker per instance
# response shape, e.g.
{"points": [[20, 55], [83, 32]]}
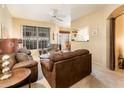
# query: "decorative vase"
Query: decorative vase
{"points": [[6, 73]]}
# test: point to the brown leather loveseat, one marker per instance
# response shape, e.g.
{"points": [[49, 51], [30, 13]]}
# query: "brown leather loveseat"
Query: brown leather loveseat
{"points": [[64, 69]]}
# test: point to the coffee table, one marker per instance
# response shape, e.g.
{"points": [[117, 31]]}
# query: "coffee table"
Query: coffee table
{"points": [[19, 77]]}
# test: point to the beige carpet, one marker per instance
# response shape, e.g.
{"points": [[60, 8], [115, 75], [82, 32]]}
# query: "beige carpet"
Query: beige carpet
{"points": [[99, 78]]}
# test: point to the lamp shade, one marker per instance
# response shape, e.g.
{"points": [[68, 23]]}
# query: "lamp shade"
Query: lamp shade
{"points": [[8, 46]]}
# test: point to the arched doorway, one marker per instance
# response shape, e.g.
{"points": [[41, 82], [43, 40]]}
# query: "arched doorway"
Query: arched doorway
{"points": [[112, 18]]}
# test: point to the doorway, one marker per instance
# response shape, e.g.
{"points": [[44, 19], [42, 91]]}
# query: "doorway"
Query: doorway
{"points": [[64, 40], [119, 42], [116, 37]]}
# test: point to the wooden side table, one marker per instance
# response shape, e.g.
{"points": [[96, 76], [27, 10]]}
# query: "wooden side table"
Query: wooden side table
{"points": [[19, 76]]}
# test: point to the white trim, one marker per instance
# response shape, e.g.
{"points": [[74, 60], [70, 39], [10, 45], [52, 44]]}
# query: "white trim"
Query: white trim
{"points": [[102, 65]]}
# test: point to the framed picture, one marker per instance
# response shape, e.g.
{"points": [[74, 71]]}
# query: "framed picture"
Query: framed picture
{"points": [[81, 35]]}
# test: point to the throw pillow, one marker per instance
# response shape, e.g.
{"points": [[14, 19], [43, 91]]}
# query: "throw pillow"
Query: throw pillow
{"points": [[24, 50], [12, 60], [56, 56], [20, 57]]}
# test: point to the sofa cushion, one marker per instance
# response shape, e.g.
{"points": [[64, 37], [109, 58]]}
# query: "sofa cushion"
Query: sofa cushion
{"points": [[67, 55], [24, 50], [26, 64], [55, 56], [61, 56], [81, 52], [20, 57]]}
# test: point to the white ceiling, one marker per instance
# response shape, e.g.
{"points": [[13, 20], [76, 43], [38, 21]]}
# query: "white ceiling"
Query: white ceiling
{"points": [[41, 12], [78, 10]]}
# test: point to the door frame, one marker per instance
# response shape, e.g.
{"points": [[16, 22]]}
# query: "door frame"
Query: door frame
{"points": [[116, 13]]}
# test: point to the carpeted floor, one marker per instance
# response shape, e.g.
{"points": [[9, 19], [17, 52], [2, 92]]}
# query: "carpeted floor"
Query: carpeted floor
{"points": [[99, 78]]}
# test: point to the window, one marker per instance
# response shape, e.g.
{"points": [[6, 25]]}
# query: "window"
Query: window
{"points": [[36, 37]]}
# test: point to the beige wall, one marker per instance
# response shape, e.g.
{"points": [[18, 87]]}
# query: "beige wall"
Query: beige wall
{"points": [[5, 22], [98, 45]]}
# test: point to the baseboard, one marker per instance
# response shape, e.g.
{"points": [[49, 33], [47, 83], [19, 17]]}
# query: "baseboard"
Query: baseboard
{"points": [[101, 65]]}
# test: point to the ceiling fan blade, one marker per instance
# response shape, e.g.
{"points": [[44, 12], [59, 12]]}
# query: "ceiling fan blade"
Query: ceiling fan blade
{"points": [[59, 19], [60, 15], [55, 11], [54, 14]]}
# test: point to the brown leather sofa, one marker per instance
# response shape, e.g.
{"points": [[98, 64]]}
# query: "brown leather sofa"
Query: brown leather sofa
{"points": [[22, 59], [62, 70]]}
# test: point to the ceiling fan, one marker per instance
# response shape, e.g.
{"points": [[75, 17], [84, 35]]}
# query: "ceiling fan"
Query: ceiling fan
{"points": [[54, 14]]}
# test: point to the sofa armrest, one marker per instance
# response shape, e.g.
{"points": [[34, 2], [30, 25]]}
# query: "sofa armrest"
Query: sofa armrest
{"points": [[27, 64], [47, 64]]}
